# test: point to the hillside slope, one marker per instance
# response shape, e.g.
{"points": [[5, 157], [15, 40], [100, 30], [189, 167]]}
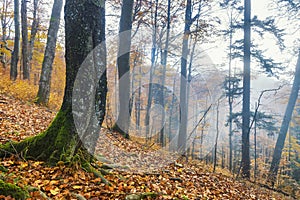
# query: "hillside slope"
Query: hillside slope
{"points": [[178, 180]]}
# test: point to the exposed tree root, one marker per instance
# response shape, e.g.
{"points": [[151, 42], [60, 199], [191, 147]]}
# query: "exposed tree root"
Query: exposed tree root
{"points": [[57, 143], [89, 168]]}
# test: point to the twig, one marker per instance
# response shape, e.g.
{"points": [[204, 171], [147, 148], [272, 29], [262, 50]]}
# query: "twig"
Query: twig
{"points": [[255, 114], [204, 115], [259, 100]]}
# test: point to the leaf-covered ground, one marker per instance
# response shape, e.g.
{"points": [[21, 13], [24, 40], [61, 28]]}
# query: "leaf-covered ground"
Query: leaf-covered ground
{"points": [[178, 180]]}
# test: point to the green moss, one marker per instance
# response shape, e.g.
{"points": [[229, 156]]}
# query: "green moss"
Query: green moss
{"points": [[3, 169], [87, 166], [12, 190], [56, 143]]}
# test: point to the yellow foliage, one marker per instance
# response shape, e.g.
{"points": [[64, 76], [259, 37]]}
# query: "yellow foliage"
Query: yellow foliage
{"points": [[20, 89], [27, 90]]}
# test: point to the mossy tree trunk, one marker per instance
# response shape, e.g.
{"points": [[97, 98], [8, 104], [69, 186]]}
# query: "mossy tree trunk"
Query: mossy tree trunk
{"points": [[84, 30]]}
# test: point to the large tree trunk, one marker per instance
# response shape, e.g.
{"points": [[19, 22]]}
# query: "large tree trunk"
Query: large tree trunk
{"points": [[85, 29], [25, 66], [123, 61], [45, 80], [246, 93], [15, 54], [285, 125], [181, 147]]}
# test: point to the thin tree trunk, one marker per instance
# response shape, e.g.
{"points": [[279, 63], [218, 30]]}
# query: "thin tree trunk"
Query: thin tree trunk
{"points": [[153, 52], [15, 54], [138, 108], [25, 66], [34, 30], [285, 125], [4, 26], [245, 165], [45, 79], [123, 61], [217, 137], [132, 100], [255, 144], [230, 96], [164, 64], [170, 136]]}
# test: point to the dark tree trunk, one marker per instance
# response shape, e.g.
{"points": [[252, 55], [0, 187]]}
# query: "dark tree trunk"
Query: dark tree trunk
{"points": [[245, 165], [34, 30], [181, 147], [285, 125], [25, 66], [138, 117], [230, 96], [255, 144], [84, 30], [45, 79], [123, 61], [217, 137], [15, 54], [172, 147]]}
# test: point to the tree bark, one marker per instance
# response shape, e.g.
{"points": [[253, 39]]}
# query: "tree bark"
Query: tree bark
{"points": [[25, 66], [45, 79], [84, 30], [217, 137], [230, 96], [15, 54], [285, 125], [34, 30], [245, 165], [164, 64], [181, 147], [123, 61], [5, 26], [152, 69]]}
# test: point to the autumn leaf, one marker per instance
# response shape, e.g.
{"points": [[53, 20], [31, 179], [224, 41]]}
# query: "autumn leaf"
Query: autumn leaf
{"points": [[55, 191]]}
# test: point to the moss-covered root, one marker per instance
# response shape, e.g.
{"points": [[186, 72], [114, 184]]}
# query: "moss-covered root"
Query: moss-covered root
{"points": [[57, 143], [141, 196], [12, 190], [89, 168]]}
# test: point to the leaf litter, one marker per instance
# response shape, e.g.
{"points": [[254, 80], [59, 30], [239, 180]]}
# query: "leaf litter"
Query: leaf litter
{"points": [[176, 180]]}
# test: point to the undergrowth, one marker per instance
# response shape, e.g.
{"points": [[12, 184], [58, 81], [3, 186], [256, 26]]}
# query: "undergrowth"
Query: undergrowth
{"points": [[25, 90]]}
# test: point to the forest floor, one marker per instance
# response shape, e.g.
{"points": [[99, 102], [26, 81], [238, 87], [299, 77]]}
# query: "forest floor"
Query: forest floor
{"points": [[178, 180]]}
